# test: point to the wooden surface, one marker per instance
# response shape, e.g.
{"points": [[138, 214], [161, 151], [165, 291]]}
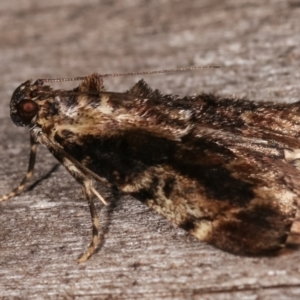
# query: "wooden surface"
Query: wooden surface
{"points": [[43, 231]]}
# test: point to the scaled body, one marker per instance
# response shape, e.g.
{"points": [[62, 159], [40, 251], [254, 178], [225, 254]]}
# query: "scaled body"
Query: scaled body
{"points": [[226, 170]]}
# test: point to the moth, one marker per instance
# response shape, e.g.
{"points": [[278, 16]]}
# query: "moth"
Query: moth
{"points": [[226, 170]]}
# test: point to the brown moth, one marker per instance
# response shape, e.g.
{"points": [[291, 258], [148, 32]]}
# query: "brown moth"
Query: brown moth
{"points": [[226, 170]]}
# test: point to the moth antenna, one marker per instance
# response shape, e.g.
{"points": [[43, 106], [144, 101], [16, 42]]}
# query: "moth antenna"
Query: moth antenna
{"points": [[132, 73]]}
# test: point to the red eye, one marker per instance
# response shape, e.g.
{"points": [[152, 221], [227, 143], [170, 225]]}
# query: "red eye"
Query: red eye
{"points": [[27, 109]]}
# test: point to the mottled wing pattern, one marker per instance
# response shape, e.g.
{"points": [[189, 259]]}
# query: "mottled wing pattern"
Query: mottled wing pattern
{"points": [[226, 170]]}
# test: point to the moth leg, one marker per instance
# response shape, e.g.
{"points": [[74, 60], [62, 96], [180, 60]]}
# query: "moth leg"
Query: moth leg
{"points": [[88, 192], [18, 190], [88, 195], [84, 177]]}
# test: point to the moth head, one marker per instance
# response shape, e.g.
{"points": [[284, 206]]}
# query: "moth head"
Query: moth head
{"points": [[23, 108]]}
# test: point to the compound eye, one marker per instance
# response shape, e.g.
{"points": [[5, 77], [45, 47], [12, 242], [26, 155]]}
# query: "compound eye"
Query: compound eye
{"points": [[27, 109]]}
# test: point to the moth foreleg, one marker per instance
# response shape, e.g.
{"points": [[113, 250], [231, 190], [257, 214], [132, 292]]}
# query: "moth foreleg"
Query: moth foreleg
{"points": [[18, 190]]}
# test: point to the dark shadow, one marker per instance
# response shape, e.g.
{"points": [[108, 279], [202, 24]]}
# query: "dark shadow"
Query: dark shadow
{"points": [[37, 182]]}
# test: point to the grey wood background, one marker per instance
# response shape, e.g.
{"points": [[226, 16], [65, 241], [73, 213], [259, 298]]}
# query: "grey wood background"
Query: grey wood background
{"points": [[43, 231]]}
